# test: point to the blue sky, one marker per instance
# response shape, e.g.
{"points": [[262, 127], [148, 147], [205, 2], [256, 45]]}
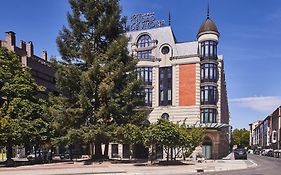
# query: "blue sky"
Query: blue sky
{"points": [[250, 34]]}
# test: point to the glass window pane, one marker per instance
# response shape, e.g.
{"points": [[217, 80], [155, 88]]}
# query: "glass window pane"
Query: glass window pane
{"points": [[162, 95], [169, 94], [206, 50]]}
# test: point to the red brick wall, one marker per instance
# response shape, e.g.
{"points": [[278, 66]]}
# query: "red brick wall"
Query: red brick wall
{"points": [[187, 84]]}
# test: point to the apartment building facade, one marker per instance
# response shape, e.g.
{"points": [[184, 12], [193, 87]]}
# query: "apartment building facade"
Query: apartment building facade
{"points": [[41, 70], [267, 133]]}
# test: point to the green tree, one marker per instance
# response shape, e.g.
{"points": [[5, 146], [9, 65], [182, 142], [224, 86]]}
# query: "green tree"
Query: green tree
{"points": [[130, 134], [191, 138], [96, 77], [241, 137], [173, 136], [23, 119]]}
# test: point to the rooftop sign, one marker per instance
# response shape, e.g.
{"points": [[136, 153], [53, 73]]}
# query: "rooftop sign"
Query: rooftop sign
{"points": [[145, 21]]}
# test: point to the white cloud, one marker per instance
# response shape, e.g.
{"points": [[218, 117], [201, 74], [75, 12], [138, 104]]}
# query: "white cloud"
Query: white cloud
{"points": [[260, 104]]}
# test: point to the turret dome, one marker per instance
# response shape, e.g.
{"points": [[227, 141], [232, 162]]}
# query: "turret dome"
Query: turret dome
{"points": [[208, 26]]}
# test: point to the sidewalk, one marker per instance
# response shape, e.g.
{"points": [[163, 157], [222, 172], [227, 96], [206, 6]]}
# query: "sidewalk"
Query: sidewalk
{"points": [[140, 169]]}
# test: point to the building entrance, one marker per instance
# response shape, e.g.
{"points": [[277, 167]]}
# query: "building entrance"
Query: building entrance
{"points": [[207, 148]]}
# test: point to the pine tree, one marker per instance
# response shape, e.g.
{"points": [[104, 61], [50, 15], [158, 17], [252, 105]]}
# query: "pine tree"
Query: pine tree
{"points": [[96, 78], [23, 118]]}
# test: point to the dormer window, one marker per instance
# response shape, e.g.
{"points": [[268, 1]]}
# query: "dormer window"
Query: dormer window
{"points": [[144, 44], [144, 41]]}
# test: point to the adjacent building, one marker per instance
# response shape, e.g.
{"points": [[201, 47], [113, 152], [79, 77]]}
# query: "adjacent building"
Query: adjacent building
{"points": [[267, 133], [184, 81], [41, 70]]}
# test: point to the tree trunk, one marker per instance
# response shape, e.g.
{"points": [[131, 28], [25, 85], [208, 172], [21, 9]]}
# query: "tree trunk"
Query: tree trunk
{"points": [[168, 153], [172, 154], [152, 153], [131, 151], [70, 152], [9, 149], [91, 150], [35, 153], [98, 150], [9, 154]]}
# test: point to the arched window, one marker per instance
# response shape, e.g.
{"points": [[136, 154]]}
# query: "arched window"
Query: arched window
{"points": [[144, 42], [165, 116], [207, 147], [207, 141]]}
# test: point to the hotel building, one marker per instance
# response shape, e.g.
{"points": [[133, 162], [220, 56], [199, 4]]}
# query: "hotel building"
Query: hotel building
{"points": [[184, 81]]}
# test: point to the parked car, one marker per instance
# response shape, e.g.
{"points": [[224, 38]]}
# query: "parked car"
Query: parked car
{"points": [[65, 155], [30, 156], [40, 155], [240, 153], [250, 151], [266, 152]]}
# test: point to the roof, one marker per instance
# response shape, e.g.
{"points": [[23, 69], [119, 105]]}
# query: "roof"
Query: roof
{"points": [[208, 26]]}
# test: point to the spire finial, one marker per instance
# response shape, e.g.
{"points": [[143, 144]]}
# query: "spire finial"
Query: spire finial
{"points": [[208, 10], [169, 18]]}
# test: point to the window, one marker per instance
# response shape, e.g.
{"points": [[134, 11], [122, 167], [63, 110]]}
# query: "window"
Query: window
{"points": [[145, 74], [146, 54], [148, 96], [165, 86], [209, 95], [209, 49], [143, 42], [165, 50], [274, 136], [114, 151], [209, 72], [208, 115], [165, 116], [126, 151]]}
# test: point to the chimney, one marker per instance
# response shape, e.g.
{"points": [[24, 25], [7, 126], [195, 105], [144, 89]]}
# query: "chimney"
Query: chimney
{"points": [[23, 45], [44, 55], [29, 49], [11, 38]]}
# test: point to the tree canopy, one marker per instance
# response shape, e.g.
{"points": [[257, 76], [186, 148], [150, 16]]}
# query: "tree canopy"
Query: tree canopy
{"points": [[173, 136], [96, 78], [241, 137], [23, 119]]}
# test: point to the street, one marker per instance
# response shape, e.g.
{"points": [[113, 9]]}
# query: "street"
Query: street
{"points": [[265, 166]]}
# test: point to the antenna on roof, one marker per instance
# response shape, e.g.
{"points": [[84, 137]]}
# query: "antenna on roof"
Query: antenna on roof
{"points": [[169, 18], [208, 10]]}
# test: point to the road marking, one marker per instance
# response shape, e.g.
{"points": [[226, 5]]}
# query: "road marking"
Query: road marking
{"points": [[253, 163]]}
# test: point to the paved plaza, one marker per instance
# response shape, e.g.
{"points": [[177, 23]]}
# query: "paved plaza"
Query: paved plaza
{"points": [[69, 168]]}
